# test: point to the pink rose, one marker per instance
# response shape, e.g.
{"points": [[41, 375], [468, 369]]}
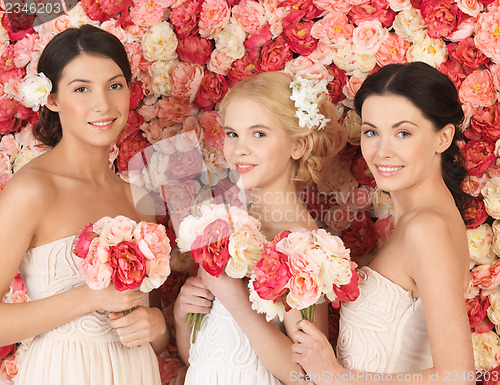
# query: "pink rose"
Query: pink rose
{"points": [[211, 248], [333, 29], [486, 123], [128, 264], [23, 50], [186, 78], [368, 36], [478, 156], [136, 94], [486, 277], [7, 350], [361, 172], [18, 283], [250, 15], [212, 89], [5, 166], [384, 228], [213, 16], [18, 24], [487, 38], [339, 217], [470, 7], [255, 41], [173, 109], [152, 240], [464, 29], [494, 171], [184, 18], [180, 195], [298, 36], [194, 49], [134, 123], [12, 113], [211, 124], [473, 185], [18, 296], [478, 89], [476, 310], [240, 69], [83, 240], [476, 214], [226, 192], [274, 55], [146, 13], [442, 17], [128, 148], [372, 10], [4, 178], [8, 370], [115, 230], [219, 62], [271, 274], [169, 367], [306, 8], [94, 268], [350, 291], [454, 70], [184, 165], [93, 10], [305, 290], [392, 50], [466, 53], [352, 86]]}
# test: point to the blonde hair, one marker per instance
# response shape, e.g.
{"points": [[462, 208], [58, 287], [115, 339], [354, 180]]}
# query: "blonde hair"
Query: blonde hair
{"points": [[272, 90]]}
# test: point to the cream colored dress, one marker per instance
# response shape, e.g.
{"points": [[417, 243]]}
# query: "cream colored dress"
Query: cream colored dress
{"points": [[222, 354], [85, 351], [384, 330]]}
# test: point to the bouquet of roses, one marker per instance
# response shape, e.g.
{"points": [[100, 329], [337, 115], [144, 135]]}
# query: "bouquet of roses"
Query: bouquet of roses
{"points": [[128, 253], [299, 270], [221, 239]]}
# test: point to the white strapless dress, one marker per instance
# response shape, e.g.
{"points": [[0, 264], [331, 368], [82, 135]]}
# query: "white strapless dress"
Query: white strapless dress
{"points": [[384, 330], [85, 351], [222, 354]]}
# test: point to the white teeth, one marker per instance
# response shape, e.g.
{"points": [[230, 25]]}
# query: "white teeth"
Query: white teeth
{"points": [[101, 124], [245, 166], [389, 169]]}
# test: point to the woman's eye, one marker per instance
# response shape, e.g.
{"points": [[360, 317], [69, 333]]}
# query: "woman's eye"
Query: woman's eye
{"points": [[259, 134], [230, 134], [403, 134], [369, 133], [116, 86], [81, 89]]}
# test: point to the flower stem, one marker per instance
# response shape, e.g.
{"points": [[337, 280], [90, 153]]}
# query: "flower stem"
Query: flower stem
{"points": [[127, 312], [195, 320]]}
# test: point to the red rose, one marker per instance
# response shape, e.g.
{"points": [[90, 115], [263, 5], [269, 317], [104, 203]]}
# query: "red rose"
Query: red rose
{"points": [[298, 36], [184, 165], [274, 55], [350, 291], [136, 94], [128, 264], [240, 69], [184, 18], [212, 89], [491, 377], [361, 237], [454, 70], [361, 172], [271, 274], [304, 8], [476, 310], [479, 156], [18, 24], [372, 10], [466, 53], [475, 214], [93, 10], [485, 123], [128, 148], [7, 350], [335, 86], [12, 113], [442, 17], [253, 43], [211, 248], [194, 49]]}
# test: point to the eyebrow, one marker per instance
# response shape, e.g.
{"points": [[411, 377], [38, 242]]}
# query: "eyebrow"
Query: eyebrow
{"points": [[260, 126], [395, 125], [88, 81]]}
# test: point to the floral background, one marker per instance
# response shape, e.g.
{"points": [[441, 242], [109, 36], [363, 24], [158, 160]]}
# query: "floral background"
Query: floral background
{"points": [[185, 54]]}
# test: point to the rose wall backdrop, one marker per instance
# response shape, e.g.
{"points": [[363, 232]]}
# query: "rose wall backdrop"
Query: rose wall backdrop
{"points": [[185, 54]]}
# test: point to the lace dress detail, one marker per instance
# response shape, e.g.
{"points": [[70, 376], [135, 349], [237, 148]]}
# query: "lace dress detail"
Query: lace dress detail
{"points": [[86, 350], [222, 354], [384, 330]]}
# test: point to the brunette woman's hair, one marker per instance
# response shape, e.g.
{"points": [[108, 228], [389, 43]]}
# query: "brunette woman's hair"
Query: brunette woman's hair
{"points": [[60, 51]]}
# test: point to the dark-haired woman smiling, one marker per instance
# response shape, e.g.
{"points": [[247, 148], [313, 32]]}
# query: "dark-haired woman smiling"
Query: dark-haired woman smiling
{"points": [[45, 205], [410, 316]]}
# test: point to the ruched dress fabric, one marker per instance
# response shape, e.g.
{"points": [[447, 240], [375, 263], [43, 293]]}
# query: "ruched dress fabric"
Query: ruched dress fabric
{"points": [[222, 354], [85, 351], [383, 330]]}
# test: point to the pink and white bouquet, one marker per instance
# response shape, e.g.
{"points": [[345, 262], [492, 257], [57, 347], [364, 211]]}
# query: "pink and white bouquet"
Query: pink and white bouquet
{"points": [[128, 253], [301, 269], [222, 239]]}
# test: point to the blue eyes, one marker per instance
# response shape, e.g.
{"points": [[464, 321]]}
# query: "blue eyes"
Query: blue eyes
{"points": [[400, 134], [257, 134]]}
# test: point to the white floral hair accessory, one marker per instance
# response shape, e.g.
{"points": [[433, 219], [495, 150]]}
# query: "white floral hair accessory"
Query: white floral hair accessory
{"points": [[34, 91], [305, 94]]}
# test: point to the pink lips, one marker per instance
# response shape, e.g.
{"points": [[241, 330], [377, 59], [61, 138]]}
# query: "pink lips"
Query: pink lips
{"points": [[103, 124], [387, 170], [243, 168]]}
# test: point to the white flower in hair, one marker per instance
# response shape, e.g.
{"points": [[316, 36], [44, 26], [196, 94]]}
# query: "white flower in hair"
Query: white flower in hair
{"points": [[305, 94], [34, 91]]}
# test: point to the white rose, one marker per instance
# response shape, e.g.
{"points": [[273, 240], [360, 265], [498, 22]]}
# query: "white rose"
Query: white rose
{"points": [[268, 307], [409, 24], [496, 238], [429, 50], [78, 17], [34, 91], [161, 74], [382, 204], [480, 240], [245, 249], [486, 350], [352, 125], [159, 42], [494, 309], [353, 63], [230, 40], [491, 194]]}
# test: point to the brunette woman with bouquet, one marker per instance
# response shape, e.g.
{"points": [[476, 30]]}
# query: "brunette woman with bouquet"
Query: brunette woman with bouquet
{"points": [[409, 322], [81, 335], [277, 149]]}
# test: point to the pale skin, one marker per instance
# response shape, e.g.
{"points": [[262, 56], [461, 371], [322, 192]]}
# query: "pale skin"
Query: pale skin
{"points": [[427, 253], [254, 138], [60, 192]]}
